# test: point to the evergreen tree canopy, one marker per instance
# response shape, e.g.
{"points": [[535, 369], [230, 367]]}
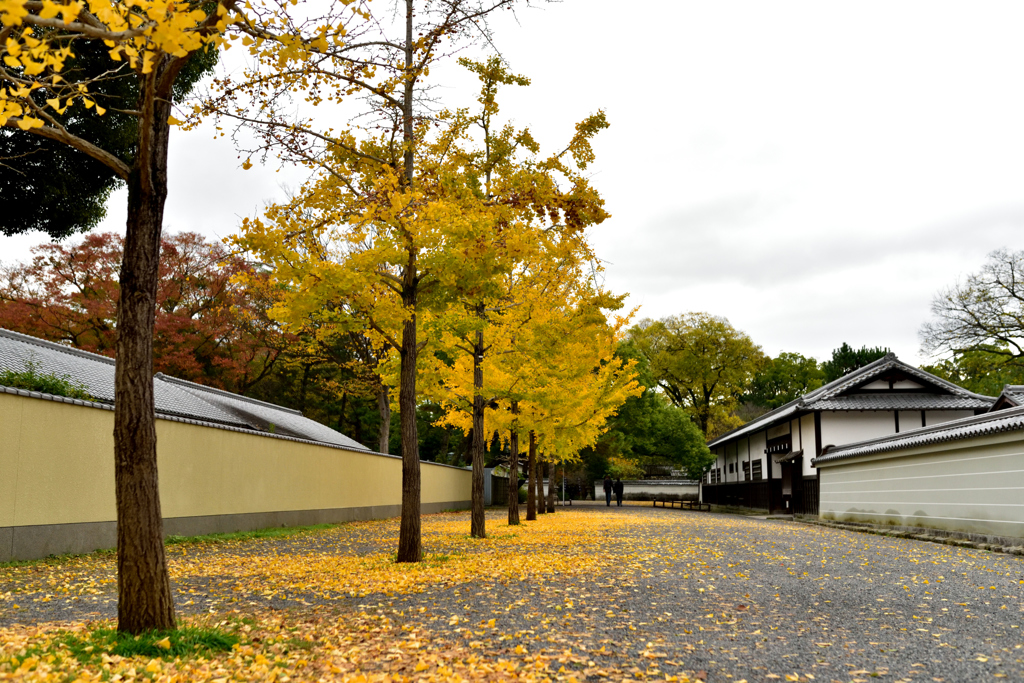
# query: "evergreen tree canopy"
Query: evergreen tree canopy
{"points": [[648, 429], [846, 359], [48, 186], [783, 379]]}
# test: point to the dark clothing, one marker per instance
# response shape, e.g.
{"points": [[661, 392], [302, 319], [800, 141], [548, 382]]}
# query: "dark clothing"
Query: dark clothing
{"points": [[618, 488], [607, 491]]}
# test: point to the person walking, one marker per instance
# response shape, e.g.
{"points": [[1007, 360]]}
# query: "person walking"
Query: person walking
{"points": [[607, 490], [618, 488]]}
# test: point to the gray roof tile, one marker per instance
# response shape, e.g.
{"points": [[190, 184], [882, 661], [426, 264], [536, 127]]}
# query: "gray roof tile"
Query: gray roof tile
{"points": [[262, 415], [91, 370], [902, 402], [172, 396], [1012, 394], [96, 373]]}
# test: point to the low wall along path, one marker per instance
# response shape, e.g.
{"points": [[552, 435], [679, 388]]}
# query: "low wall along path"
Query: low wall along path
{"points": [[57, 479]]}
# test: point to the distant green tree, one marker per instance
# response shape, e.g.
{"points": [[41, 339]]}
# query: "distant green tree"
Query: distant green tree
{"points": [[648, 430], [982, 370], [783, 379], [702, 364], [846, 359]]}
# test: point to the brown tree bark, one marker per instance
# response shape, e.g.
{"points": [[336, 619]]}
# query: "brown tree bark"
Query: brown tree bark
{"points": [[542, 507], [384, 408], [531, 479], [477, 518], [409, 542], [551, 486], [513, 472], [409, 547], [143, 586]]}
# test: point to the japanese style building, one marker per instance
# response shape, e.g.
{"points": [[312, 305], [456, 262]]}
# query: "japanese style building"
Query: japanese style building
{"points": [[766, 463]]}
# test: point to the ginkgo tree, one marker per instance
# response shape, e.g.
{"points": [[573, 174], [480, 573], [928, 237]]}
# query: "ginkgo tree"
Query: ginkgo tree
{"points": [[574, 380], [407, 231], [552, 377], [147, 45], [538, 208]]}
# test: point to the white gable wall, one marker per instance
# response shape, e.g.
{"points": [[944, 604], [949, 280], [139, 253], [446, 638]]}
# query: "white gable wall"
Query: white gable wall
{"points": [[884, 384], [934, 417], [843, 428]]}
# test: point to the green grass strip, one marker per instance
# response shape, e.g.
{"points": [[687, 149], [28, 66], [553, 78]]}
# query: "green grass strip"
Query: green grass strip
{"points": [[275, 532]]}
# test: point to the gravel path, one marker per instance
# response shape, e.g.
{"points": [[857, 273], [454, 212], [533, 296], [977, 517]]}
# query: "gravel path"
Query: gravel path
{"points": [[718, 597]]}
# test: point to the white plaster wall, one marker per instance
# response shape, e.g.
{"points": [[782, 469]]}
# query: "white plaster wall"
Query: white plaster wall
{"points": [[973, 486], [719, 460], [935, 417], [807, 436], [910, 419], [758, 443], [648, 490], [842, 428], [730, 461], [742, 453]]}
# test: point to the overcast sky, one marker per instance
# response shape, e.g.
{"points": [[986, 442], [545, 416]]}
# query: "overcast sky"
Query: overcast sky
{"points": [[813, 171]]}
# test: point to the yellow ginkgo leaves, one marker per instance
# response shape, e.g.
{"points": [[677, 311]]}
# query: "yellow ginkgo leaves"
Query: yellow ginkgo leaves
{"points": [[139, 31]]}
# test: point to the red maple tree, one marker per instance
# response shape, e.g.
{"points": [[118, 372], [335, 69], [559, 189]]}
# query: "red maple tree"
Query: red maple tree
{"points": [[211, 326]]}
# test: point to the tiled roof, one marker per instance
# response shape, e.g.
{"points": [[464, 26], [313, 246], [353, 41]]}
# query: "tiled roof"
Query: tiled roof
{"points": [[1015, 390], [202, 423], [1012, 395], [96, 373], [986, 424], [902, 402], [263, 416], [172, 397], [93, 371], [887, 362], [823, 398]]}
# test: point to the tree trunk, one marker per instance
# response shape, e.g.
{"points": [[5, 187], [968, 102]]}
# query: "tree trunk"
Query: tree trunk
{"points": [[541, 505], [409, 549], [531, 479], [513, 472], [341, 415], [477, 519], [445, 445], [384, 408], [551, 486], [303, 385], [143, 586]]}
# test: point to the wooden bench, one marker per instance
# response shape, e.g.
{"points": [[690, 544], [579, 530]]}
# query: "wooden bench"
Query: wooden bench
{"points": [[684, 504]]}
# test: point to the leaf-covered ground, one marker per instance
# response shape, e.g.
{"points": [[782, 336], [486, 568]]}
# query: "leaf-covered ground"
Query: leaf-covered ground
{"points": [[589, 593]]}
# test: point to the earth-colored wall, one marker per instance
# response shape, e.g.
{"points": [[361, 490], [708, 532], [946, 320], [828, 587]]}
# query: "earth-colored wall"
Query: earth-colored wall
{"points": [[972, 486], [57, 480]]}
